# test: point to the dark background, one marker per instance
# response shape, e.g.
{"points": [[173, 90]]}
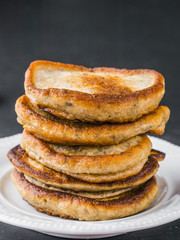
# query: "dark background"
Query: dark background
{"points": [[122, 33]]}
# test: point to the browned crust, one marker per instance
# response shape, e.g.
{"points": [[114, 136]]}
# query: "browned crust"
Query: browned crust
{"points": [[159, 156], [19, 159], [141, 102], [66, 132], [93, 98], [76, 207], [100, 164]]}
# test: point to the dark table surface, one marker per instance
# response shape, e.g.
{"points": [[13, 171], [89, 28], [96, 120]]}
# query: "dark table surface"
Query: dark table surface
{"points": [[124, 34]]}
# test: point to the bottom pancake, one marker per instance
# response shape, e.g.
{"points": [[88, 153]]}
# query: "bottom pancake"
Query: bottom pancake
{"points": [[75, 207]]}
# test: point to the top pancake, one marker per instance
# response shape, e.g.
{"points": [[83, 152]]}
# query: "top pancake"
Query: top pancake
{"points": [[99, 94]]}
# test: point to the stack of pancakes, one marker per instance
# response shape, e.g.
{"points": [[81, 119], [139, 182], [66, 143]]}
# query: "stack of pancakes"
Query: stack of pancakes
{"points": [[84, 153]]}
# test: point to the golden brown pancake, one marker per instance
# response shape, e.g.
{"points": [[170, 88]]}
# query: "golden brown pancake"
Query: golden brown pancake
{"points": [[83, 153], [49, 128], [71, 206], [100, 163], [93, 94], [47, 176]]}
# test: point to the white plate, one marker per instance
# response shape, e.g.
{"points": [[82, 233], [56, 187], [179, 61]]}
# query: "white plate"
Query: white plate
{"points": [[165, 208]]}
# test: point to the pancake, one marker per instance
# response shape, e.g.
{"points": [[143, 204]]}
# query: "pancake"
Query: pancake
{"points": [[103, 195], [121, 160], [93, 94], [31, 168], [75, 207], [55, 130]]}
